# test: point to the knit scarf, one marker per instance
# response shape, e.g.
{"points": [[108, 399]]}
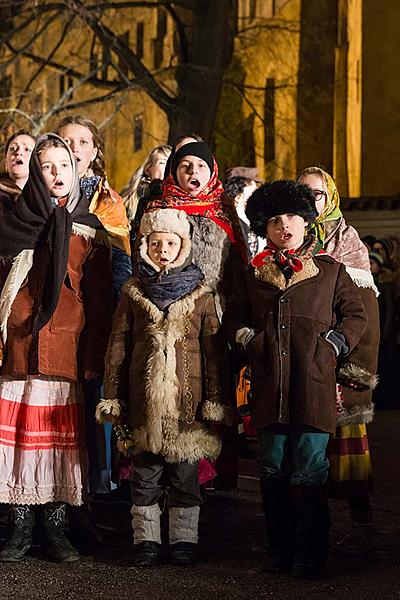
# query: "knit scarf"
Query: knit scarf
{"points": [[35, 221], [289, 261], [206, 204], [163, 288]]}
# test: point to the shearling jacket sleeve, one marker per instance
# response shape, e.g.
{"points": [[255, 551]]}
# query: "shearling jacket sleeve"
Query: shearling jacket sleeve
{"points": [[97, 299], [360, 365], [215, 367], [118, 358], [349, 310]]}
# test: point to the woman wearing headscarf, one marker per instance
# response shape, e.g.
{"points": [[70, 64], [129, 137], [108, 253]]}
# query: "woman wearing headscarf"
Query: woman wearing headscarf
{"points": [[55, 265], [348, 450]]}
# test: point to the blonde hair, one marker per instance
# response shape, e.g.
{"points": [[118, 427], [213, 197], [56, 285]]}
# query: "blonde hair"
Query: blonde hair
{"points": [[137, 184], [314, 171]]}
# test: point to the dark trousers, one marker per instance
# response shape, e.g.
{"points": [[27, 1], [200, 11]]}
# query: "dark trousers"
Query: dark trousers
{"points": [[152, 476]]}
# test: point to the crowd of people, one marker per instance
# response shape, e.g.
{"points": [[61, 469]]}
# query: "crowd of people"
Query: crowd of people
{"points": [[160, 311]]}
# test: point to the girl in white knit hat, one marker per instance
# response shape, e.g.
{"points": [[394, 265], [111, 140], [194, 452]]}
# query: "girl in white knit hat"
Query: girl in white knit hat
{"points": [[165, 373]]}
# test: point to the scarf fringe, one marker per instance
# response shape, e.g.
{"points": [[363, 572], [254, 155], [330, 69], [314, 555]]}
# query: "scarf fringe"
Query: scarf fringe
{"points": [[362, 278], [21, 266]]}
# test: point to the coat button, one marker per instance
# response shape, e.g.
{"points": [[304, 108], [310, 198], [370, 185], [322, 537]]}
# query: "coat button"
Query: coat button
{"points": [[284, 353], [282, 300], [283, 326]]}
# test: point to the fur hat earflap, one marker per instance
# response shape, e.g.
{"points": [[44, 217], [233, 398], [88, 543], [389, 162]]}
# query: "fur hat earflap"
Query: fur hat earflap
{"points": [[279, 198], [165, 220]]}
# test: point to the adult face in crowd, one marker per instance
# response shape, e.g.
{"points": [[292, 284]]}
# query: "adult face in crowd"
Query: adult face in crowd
{"points": [[18, 152]]}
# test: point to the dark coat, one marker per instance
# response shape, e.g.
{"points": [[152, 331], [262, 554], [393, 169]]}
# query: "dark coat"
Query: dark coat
{"points": [[293, 368]]}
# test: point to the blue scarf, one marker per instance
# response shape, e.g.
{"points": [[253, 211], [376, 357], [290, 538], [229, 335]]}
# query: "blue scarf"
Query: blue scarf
{"points": [[163, 288]]}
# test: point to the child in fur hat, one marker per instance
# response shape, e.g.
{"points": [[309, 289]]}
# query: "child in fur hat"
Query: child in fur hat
{"points": [[166, 364], [295, 311]]}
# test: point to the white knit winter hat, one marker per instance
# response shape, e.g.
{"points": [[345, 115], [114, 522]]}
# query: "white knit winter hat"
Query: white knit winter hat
{"points": [[165, 220]]}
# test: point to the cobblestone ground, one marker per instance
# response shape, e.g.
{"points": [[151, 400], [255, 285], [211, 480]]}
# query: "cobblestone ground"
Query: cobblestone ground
{"points": [[232, 550]]}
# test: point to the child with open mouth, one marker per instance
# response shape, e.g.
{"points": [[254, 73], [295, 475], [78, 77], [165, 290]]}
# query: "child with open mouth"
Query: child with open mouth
{"points": [[193, 186], [56, 264], [297, 314]]}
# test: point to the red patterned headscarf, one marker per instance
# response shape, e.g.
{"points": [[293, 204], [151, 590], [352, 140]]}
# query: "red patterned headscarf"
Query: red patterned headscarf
{"points": [[206, 204]]}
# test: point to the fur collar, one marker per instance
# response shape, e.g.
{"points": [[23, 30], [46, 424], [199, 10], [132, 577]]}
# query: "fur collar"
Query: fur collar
{"points": [[270, 273], [177, 310]]}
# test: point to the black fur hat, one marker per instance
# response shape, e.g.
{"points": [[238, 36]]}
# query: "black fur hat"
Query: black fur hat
{"points": [[279, 198]]}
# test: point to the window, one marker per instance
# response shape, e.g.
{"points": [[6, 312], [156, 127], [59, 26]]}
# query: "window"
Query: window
{"points": [[138, 133], [5, 86], [124, 38], [253, 9], [269, 121], [140, 40], [66, 82], [158, 43], [99, 59]]}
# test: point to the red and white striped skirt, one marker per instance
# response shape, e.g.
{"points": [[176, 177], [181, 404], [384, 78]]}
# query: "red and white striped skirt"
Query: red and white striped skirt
{"points": [[42, 457]]}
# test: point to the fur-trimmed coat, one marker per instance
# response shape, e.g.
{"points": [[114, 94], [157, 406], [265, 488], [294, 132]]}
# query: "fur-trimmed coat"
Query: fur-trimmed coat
{"points": [[344, 245], [293, 368], [81, 321], [169, 369]]}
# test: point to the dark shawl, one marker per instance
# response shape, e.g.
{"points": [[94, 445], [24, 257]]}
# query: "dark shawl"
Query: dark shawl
{"points": [[34, 221]]}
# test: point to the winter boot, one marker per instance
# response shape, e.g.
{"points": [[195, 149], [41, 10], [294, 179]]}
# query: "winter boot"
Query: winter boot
{"points": [[146, 535], [55, 542], [183, 535], [280, 524], [313, 524], [21, 518]]}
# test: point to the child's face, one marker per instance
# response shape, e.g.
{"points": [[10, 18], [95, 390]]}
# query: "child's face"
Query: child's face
{"points": [[57, 171], [286, 231], [193, 174], [80, 140], [156, 171], [18, 156], [315, 182], [164, 248]]}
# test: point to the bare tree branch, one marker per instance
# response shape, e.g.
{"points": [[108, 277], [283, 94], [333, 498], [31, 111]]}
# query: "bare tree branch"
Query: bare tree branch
{"points": [[180, 28], [107, 37], [28, 44], [49, 57], [19, 112]]}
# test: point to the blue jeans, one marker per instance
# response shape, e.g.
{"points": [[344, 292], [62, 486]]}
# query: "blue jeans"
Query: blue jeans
{"points": [[293, 452]]}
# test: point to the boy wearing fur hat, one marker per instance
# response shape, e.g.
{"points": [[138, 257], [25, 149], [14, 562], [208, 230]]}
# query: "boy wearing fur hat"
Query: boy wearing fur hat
{"points": [[296, 311], [166, 364]]}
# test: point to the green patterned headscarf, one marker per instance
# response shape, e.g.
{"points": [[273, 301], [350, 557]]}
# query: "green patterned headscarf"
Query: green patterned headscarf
{"points": [[331, 210]]}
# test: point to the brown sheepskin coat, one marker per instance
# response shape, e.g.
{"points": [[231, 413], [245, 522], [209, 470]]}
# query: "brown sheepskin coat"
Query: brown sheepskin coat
{"points": [[81, 321], [293, 368], [169, 369]]}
